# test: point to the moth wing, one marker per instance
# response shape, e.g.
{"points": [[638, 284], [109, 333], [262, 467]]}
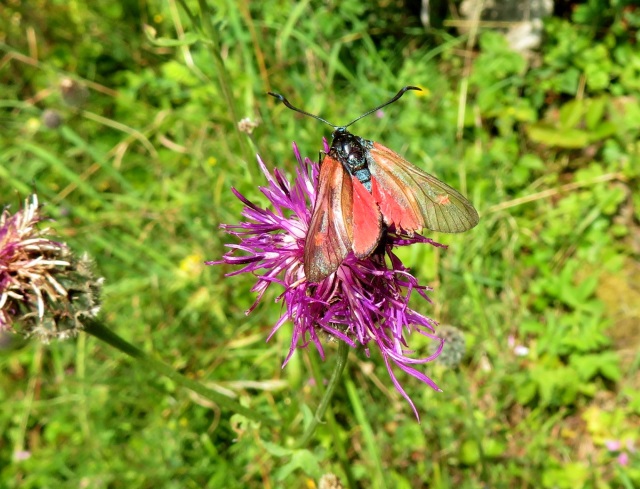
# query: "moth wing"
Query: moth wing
{"points": [[412, 199], [367, 220], [330, 234]]}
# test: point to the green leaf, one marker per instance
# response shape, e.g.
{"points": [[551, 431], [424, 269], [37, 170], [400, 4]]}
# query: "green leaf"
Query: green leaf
{"points": [[552, 136], [526, 392], [494, 448], [277, 450], [303, 460], [602, 131], [586, 366], [188, 38], [595, 111], [571, 113], [469, 452]]}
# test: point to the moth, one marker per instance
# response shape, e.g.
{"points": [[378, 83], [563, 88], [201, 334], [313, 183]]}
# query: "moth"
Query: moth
{"points": [[364, 188]]}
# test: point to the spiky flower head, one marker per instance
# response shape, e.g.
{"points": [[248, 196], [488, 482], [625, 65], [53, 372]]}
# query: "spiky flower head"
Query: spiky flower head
{"points": [[364, 303], [330, 481], [454, 348], [74, 93], [45, 291]]}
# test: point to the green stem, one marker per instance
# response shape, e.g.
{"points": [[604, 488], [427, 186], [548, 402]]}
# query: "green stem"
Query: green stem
{"points": [[223, 75], [100, 331], [334, 429], [340, 450], [477, 435], [341, 362]]}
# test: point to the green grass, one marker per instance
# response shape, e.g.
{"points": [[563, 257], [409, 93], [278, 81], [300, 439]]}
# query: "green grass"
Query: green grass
{"points": [[140, 174]]}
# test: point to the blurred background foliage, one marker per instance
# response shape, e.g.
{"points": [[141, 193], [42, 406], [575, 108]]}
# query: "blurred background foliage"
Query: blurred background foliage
{"points": [[123, 117]]}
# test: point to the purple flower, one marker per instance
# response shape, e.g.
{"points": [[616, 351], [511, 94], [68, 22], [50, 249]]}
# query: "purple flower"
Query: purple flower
{"points": [[623, 459], [623, 451], [365, 302], [613, 445], [21, 455]]}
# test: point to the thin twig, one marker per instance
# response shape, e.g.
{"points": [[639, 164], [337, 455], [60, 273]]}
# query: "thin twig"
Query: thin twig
{"points": [[555, 191]]}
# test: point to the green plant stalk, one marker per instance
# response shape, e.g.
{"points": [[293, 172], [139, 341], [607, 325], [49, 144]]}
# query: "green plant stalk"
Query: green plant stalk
{"points": [[100, 331], [341, 362], [223, 75], [334, 429], [339, 448], [477, 435], [367, 433]]}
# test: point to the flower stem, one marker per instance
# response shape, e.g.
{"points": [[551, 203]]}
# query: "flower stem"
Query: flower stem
{"points": [[341, 362], [99, 330], [475, 429], [339, 448], [212, 37]]}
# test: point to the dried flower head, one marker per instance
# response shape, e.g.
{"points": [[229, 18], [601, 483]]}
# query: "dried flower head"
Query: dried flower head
{"points": [[246, 125], [365, 302], [74, 93], [330, 481], [51, 118], [45, 291], [454, 346]]}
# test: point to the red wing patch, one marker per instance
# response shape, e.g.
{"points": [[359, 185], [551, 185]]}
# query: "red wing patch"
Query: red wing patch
{"points": [[412, 199], [395, 206], [367, 221]]}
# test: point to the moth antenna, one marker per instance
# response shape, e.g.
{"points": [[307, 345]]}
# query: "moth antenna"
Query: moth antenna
{"points": [[397, 96], [289, 106]]}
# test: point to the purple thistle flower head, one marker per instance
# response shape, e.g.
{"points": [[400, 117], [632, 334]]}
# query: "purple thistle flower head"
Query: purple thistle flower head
{"points": [[364, 303]]}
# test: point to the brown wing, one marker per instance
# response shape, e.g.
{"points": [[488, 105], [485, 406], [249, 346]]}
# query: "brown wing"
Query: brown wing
{"points": [[330, 234], [412, 199]]}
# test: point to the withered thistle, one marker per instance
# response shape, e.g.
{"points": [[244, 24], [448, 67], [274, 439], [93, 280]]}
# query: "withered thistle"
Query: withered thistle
{"points": [[45, 291]]}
